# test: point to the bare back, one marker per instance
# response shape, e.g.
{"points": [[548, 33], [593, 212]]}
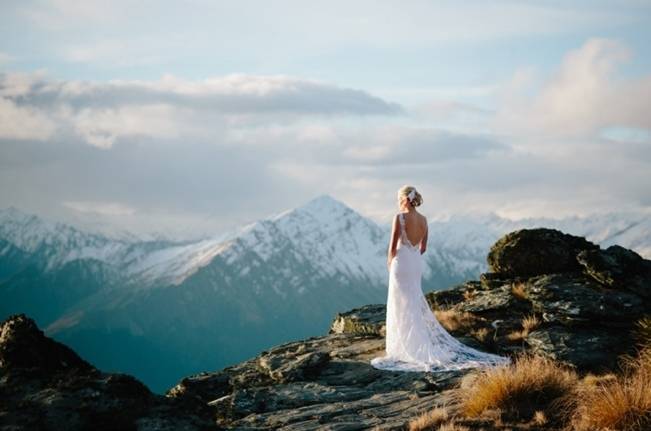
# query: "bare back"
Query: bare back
{"points": [[415, 227]]}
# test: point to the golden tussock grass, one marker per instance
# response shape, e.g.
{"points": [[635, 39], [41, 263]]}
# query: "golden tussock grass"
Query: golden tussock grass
{"points": [[469, 294], [516, 335], [539, 418], [429, 420], [453, 320], [594, 380], [529, 323], [481, 334], [642, 331], [621, 403], [538, 392], [532, 383], [452, 426], [519, 291]]}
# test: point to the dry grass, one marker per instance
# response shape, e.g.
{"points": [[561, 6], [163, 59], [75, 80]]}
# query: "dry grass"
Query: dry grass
{"points": [[453, 320], [594, 380], [529, 323], [532, 383], [517, 336], [622, 403], [481, 334], [642, 331], [429, 420], [469, 294], [539, 418], [452, 426], [518, 289], [535, 392]]}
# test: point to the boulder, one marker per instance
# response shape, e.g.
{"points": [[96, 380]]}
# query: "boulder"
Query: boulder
{"points": [[23, 345], [619, 268], [46, 385], [530, 252]]}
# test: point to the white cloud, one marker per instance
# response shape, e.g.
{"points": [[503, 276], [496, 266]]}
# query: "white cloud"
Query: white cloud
{"points": [[101, 113], [185, 150], [5, 58], [23, 123], [583, 96], [103, 208]]}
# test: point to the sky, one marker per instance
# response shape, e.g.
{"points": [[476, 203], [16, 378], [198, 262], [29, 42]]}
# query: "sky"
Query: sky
{"points": [[194, 117]]}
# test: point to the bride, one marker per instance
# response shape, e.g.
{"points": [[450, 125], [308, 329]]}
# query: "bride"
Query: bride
{"points": [[415, 340]]}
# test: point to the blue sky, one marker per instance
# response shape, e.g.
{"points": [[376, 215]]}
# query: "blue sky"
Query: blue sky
{"points": [[208, 114]]}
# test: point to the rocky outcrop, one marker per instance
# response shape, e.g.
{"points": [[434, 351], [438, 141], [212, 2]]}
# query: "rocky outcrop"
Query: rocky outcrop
{"points": [[529, 252], [323, 383], [44, 385], [618, 268], [547, 292]]}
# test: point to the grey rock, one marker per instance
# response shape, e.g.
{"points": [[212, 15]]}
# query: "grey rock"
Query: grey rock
{"points": [[573, 299], [588, 349], [366, 320], [619, 268]]}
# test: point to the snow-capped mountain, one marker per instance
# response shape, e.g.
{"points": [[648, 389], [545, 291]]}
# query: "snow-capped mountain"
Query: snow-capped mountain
{"points": [[186, 306]]}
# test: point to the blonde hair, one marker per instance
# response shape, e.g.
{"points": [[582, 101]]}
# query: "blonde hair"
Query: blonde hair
{"points": [[405, 190]]}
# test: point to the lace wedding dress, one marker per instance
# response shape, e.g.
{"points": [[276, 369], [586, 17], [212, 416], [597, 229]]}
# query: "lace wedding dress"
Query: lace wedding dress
{"points": [[415, 340]]}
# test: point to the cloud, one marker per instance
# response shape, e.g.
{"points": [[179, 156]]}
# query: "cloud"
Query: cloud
{"points": [[170, 153], [5, 58], [102, 208], [583, 96], [417, 145], [23, 122], [172, 107]]}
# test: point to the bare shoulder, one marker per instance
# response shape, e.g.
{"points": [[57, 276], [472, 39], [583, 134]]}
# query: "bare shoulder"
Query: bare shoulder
{"points": [[423, 219]]}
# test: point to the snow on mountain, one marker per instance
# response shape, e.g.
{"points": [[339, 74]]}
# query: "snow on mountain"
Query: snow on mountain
{"points": [[336, 239], [56, 243]]}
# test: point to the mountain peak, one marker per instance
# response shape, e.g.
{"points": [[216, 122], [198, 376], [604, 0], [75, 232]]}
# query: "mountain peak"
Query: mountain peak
{"points": [[323, 199], [324, 203]]}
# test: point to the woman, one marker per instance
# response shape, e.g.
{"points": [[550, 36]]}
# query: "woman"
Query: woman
{"points": [[415, 340]]}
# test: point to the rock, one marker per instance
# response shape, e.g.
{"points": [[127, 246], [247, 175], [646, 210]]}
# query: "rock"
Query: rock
{"points": [[441, 299], [366, 320], [589, 349], [530, 252], [46, 385], [23, 345], [619, 268], [573, 299], [291, 367], [345, 392], [496, 302]]}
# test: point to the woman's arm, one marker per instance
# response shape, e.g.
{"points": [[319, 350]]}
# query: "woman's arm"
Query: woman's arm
{"points": [[393, 241], [423, 243]]}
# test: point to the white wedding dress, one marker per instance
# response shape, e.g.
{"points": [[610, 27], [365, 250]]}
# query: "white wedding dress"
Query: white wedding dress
{"points": [[415, 340]]}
